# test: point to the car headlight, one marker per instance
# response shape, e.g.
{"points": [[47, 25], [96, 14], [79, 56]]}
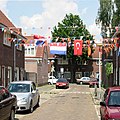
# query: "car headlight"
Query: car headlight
{"points": [[23, 100]]}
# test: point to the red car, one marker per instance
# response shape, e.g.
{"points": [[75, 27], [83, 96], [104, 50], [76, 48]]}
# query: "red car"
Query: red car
{"points": [[93, 81], [110, 105], [62, 83]]}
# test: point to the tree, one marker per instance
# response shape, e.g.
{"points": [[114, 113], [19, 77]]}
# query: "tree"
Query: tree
{"points": [[105, 16], [72, 28], [108, 16], [109, 68]]}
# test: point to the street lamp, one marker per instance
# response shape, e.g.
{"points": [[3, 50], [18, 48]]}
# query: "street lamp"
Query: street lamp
{"points": [[52, 69], [99, 45]]}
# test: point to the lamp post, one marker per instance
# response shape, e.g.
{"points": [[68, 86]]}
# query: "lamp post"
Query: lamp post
{"points": [[52, 69], [99, 45]]}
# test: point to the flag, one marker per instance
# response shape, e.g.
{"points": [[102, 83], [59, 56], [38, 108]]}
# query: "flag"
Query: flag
{"points": [[89, 50], [38, 37], [78, 47], [39, 42], [58, 48]]}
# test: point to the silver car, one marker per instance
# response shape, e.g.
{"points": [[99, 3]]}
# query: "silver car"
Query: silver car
{"points": [[27, 94]]}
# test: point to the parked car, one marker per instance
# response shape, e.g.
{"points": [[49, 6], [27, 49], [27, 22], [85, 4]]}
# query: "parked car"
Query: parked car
{"points": [[110, 104], [8, 104], [52, 80], [27, 94], [62, 83], [83, 80], [93, 82]]}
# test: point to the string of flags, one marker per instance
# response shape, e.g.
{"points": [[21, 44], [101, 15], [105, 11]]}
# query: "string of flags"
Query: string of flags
{"points": [[108, 44]]}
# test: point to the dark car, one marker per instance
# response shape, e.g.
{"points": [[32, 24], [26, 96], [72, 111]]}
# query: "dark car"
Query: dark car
{"points": [[110, 105], [62, 83], [93, 82], [8, 104]]}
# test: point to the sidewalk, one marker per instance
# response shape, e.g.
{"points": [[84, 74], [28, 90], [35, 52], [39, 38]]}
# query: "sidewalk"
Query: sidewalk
{"points": [[97, 95]]}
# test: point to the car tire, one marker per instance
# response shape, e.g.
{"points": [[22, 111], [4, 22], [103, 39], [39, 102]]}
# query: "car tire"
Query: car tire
{"points": [[81, 83], [49, 83], [56, 87], [38, 102], [31, 107], [12, 115]]}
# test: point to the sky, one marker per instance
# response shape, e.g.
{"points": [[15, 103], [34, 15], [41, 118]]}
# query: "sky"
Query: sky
{"points": [[40, 16]]}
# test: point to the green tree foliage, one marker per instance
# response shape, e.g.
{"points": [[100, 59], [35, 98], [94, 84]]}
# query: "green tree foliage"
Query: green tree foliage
{"points": [[109, 68], [108, 16], [116, 15], [105, 16], [72, 27]]}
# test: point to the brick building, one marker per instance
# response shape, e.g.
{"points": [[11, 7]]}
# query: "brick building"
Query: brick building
{"points": [[36, 62], [11, 56]]}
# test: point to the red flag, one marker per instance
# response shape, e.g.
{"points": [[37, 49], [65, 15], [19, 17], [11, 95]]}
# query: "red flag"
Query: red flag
{"points": [[78, 47], [38, 37]]}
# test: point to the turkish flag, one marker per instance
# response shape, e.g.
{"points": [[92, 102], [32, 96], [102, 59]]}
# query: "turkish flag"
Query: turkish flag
{"points": [[78, 47]]}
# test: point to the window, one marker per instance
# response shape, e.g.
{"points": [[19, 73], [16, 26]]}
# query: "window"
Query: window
{"points": [[9, 74], [97, 62], [4, 94], [62, 61], [6, 38], [30, 51]]}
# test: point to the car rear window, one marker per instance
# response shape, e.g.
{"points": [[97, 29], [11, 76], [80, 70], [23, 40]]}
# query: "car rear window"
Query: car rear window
{"points": [[62, 80]]}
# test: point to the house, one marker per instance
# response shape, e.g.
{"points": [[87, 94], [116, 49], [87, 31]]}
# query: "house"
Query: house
{"points": [[11, 56], [36, 61], [64, 67]]}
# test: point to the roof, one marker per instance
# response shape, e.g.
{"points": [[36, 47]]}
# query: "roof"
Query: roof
{"points": [[24, 82], [115, 88], [4, 20], [8, 24]]}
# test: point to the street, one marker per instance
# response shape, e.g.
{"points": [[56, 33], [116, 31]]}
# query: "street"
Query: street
{"points": [[75, 103]]}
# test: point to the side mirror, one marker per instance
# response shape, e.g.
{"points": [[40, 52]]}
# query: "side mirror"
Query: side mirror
{"points": [[103, 104], [33, 91]]}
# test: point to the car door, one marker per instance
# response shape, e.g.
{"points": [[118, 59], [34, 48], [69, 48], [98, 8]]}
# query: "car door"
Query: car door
{"points": [[103, 108], [5, 104], [34, 94]]}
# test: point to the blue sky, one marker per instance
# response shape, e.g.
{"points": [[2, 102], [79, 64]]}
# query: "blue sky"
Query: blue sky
{"points": [[36, 16]]}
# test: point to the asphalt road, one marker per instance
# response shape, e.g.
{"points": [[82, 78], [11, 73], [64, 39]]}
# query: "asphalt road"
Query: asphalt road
{"points": [[75, 103]]}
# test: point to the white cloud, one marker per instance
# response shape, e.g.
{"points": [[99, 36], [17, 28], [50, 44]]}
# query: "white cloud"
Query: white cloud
{"points": [[3, 6], [95, 30], [54, 11]]}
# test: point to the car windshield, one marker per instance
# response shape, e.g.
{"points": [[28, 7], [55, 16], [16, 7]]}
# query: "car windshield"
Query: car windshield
{"points": [[114, 99], [62, 80], [20, 87]]}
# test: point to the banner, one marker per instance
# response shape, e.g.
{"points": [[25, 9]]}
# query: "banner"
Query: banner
{"points": [[78, 47], [58, 48]]}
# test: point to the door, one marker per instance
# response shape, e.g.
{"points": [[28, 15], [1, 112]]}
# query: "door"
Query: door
{"points": [[5, 104]]}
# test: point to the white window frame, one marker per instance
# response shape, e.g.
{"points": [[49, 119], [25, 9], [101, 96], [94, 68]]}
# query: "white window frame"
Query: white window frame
{"points": [[9, 74], [29, 52], [7, 35]]}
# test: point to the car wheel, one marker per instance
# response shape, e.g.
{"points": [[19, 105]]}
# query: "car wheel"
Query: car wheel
{"points": [[81, 83], [12, 115], [56, 87], [38, 102], [49, 83], [31, 107]]}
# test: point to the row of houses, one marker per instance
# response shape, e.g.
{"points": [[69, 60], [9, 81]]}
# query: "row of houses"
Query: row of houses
{"points": [[21, 62]]}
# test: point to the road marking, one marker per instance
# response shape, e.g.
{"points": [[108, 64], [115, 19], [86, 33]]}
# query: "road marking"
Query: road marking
{"points": [[77, 92]]}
